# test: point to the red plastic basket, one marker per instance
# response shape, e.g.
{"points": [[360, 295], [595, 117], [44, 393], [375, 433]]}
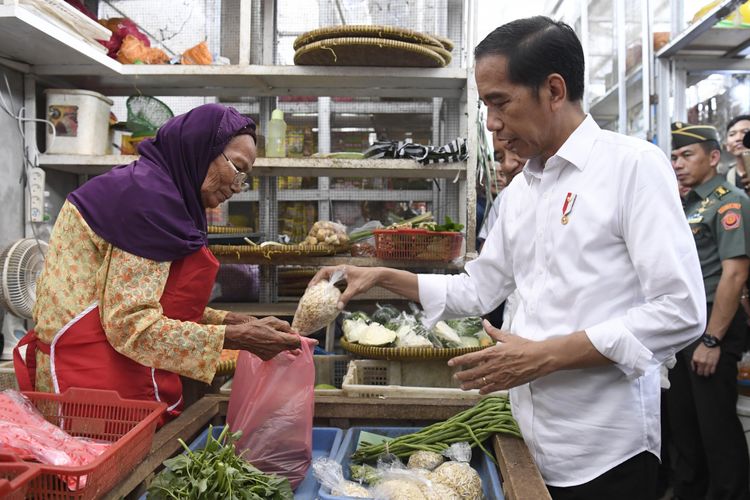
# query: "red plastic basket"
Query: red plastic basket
{"points": [[101, 415], [15, 477], [417, 244]]}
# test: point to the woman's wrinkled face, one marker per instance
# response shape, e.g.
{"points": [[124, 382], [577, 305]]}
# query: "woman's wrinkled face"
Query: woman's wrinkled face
{"points": [[220, 184]]}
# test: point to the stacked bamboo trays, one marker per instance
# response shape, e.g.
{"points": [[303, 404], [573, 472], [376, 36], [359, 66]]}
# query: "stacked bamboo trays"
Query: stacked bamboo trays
{"points": [[272, 252], [371, 45]]}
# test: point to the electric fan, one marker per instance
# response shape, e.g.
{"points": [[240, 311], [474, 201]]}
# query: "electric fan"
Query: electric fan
{"points": [[146, 114], [20, 265]]}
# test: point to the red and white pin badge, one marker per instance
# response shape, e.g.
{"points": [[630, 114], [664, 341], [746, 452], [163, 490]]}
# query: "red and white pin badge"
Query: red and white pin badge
{"points": [[570, 199]]}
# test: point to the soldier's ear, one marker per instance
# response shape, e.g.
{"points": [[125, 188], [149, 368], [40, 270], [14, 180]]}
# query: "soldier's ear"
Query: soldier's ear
{"points": [[715, 157]]}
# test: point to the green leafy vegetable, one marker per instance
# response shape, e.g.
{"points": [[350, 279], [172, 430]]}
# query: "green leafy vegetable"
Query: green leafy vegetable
{"points": [[216, 472]]}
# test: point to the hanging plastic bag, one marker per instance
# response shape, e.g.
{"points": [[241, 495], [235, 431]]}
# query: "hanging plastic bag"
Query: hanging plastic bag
{"points": [[272, 405], [318, 306]]}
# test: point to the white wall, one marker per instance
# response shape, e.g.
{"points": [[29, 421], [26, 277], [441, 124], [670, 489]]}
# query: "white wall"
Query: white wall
{"points": [[11, 193]]}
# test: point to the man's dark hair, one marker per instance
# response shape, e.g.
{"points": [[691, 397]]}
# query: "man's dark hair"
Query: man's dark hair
{"points": [[736, 119], [709, 146], [535, 48]]}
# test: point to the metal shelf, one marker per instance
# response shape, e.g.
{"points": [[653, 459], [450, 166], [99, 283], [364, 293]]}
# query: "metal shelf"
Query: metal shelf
{"points": [[300, 167], [339, 260], [605, 109], [238, 81], [29, 38], [702, 39]]}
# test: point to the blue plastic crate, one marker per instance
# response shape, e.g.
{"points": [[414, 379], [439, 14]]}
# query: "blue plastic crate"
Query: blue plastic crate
{"points": [[484, 466], [325, 443]]}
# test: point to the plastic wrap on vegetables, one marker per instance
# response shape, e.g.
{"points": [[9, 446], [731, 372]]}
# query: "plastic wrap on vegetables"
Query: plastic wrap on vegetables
{"points": [[384, 314], [457, 474], [328, 472]]}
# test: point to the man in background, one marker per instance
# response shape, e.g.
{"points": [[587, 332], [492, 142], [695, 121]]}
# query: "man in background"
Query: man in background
{"points": [[510, 165], [710, 453], [737, 128]]}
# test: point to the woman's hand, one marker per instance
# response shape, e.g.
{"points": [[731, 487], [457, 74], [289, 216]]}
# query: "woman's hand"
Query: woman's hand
{"points": [[358, 280], [265, 337], [233, 318]]}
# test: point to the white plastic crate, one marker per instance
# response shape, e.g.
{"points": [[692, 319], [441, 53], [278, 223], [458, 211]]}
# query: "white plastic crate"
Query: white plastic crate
{"points": [[329, 369], [367, 378]]}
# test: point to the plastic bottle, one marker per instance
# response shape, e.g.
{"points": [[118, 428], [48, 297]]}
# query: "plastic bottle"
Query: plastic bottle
{"points": [[276, 137]]}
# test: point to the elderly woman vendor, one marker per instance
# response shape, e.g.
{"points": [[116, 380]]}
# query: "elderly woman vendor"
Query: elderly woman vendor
{"points": [[121, 303]]}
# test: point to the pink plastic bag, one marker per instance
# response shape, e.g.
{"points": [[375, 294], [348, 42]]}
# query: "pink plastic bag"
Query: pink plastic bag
{"points": [[272, 404]]}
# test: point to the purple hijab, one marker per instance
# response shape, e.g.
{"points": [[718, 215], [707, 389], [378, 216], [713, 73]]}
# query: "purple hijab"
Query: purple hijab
{"points": [[152, 207]]}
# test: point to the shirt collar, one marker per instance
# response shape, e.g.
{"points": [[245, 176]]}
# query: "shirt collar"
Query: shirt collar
{"points": [[705, 189], [575, 150]]}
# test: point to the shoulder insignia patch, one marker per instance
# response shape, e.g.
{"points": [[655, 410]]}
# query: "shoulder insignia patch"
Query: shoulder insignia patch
{"points": [[730, 206], [731, 220], [720, 191]]}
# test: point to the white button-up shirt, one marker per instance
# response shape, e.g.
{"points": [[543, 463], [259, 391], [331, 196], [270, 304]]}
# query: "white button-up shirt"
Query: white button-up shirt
{"points": [[624, 269]]}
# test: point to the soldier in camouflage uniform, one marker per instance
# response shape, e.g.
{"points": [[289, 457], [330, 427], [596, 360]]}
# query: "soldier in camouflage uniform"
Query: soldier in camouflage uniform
{"points": [[711, 456]]}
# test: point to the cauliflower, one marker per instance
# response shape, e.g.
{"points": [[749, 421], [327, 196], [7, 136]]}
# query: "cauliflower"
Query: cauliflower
{"points": [[317, 308], [377, 335], [353, 329], [460, 477], [425, 460]]}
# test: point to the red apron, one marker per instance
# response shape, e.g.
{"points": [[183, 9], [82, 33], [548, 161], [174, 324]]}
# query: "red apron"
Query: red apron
{"points": [[81, 355]]}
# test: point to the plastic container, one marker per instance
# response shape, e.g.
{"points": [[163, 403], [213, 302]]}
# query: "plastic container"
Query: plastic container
{"points": [[81, 120], [15, 477], [325, 442], [101, 415], [367, 378], [417, 244], [479, 461], [276, 136]]}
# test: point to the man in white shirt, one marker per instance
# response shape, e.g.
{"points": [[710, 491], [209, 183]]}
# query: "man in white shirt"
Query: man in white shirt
{"points": [[594, 238]]}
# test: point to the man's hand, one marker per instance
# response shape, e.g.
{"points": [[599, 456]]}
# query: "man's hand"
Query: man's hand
{"points": [[705, 360], [358, 280], [265, 337], [512, 362]]}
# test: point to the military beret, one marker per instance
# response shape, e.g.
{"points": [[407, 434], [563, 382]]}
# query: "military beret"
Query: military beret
{"points": [[684, 134]]}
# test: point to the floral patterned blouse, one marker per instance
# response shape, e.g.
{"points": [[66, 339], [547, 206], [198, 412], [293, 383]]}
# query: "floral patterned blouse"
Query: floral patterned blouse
{"points": [[81, 268]]}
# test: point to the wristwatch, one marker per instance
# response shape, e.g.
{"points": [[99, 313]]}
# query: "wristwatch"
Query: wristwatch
{"points": [[710, 341]]}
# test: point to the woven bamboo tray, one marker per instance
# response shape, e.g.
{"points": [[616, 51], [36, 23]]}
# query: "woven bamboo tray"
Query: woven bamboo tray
{"points": [[272, 252], [405, 353], [227, 362], [367, 52], [445, 54], [229, 230], [447, 43], [366, 31]]}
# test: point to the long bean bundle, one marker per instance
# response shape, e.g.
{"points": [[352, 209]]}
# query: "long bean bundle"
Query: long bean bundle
{"points": [[490, 416]]}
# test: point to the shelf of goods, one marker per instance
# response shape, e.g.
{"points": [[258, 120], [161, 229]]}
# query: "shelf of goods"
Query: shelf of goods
{"points": [[52, 55], [309, 167], [520, 477], [31, 39]]}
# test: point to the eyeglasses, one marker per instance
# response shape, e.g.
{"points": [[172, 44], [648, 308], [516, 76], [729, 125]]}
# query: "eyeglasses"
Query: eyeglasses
{"points": [[239, 177]]}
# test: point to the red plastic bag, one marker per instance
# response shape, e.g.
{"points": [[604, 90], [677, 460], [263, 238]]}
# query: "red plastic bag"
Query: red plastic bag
{"points": [[272, 404]]}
